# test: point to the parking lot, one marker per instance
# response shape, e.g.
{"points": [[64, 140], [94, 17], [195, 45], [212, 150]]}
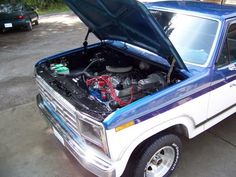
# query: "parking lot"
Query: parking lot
{"points": [[27, 146]]}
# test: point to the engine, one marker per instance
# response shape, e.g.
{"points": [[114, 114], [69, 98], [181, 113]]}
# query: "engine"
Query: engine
{"points": [[113, 81], [118, 86]]}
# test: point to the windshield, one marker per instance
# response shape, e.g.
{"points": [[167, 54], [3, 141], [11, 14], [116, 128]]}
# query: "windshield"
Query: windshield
{"points": [[192, 37]]}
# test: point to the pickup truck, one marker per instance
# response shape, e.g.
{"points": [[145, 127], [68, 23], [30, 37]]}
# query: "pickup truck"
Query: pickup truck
{"points": [[160, 71]]}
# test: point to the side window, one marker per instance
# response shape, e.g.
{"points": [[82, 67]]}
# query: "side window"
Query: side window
{"points": [[224, 58], [228, 54], [232, 43]]}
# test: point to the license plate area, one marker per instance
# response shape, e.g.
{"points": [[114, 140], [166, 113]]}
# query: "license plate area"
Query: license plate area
{"points": [[8, 25], [59, 137]]}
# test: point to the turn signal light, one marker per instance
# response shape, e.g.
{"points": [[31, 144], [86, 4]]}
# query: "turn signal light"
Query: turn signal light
{"points": [[126, 125]]}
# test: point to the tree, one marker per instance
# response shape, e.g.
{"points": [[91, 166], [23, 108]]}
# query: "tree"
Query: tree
{"points": [[42, 4]]}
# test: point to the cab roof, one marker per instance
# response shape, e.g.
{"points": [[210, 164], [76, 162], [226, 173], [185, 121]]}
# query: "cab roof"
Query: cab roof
{"points": [[211, 10]]}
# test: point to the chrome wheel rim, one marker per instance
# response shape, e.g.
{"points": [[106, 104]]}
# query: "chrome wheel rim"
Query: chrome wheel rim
{"points": [[160, 163]]}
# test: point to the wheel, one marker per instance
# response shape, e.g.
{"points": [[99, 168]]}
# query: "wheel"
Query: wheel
{"points": [[29, 26], [157, 159], [36, 22]]}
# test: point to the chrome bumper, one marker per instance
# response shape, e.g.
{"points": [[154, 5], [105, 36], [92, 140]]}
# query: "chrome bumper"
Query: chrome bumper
{"points": [[95, 165]]}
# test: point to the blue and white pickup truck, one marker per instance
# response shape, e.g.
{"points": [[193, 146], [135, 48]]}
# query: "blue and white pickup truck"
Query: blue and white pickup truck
{"points": [[161, 70]]}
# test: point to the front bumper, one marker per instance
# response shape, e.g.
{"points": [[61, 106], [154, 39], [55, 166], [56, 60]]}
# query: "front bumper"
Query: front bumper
{"points": [[95, 165]]}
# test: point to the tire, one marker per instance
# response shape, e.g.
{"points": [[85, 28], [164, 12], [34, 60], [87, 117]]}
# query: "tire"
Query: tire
{"points": [[158, 158], [36, 22]]}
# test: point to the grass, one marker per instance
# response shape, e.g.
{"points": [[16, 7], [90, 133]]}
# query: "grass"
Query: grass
{"points": [[53, 9]]}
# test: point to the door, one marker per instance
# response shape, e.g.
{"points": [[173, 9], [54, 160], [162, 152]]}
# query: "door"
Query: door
{"points": [[223, 95]]}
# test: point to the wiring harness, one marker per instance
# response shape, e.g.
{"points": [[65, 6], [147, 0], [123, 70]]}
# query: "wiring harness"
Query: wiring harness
{"points": [[104, 84]]}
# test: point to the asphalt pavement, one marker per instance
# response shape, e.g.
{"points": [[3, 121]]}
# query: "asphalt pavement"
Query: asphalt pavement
{"points": [[27, 146]]}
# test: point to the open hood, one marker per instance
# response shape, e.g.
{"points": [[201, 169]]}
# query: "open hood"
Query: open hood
{"points": [[128, 21]]}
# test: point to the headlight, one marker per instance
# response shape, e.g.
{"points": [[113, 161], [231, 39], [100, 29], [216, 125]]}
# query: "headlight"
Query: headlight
{"points": [[93, 133]]}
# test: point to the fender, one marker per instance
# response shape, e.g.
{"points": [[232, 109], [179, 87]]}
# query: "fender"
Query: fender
{"points": [[184, 121]]}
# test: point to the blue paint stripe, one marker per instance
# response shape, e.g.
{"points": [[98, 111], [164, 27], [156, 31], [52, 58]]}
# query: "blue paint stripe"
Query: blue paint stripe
{"points": [[180, 102], [174, 105]]}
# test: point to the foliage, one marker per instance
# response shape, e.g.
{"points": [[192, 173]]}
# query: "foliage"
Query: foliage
{"points": [[40, 4]]}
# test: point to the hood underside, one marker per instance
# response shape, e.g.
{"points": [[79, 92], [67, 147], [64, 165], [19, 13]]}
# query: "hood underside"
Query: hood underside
{"points": [[128, 21]]}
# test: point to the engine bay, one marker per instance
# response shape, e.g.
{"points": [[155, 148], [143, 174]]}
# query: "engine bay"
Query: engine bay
{"points": [[122, 83], [105, 77]]}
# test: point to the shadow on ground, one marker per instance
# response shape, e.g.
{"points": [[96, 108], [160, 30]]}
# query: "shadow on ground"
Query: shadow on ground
{"points": [[50, 26]]}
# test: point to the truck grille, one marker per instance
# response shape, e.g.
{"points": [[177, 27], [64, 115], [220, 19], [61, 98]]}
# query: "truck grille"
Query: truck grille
{"points": [[59, 105]]}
